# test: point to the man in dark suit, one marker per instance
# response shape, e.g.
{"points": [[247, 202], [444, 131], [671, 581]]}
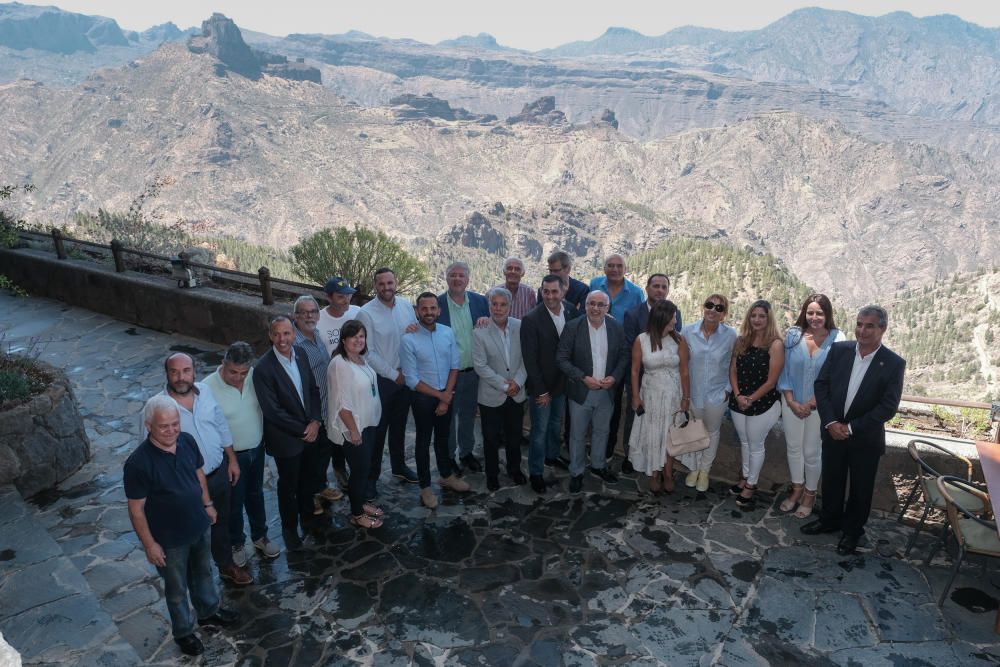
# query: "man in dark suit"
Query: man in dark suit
{"points": [[560, 264], [462, 310], [857, 392], [593, 356], [289, 402], [636, 318], [540, 331]]}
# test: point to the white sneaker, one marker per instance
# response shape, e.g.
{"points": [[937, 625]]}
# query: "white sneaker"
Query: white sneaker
{"points": [[267, 548], [691, 479], [240, 555], [702, 481]]}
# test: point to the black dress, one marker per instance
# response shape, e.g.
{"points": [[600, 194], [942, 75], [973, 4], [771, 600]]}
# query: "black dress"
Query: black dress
{"points": [[751, 372]]}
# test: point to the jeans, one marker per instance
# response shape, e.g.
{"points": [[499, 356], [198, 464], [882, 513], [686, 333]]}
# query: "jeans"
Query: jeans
{"points": [[804, 442], [395, 400], [248, 494], [752, 432], [359, 457], [595, 412], [546, 425], [188, 569], [502, 424], [461, 431], [219, 490], [430, 425]]}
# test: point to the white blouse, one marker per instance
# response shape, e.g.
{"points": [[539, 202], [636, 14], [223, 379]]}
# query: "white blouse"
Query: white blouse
{"points": [[352, 387]]}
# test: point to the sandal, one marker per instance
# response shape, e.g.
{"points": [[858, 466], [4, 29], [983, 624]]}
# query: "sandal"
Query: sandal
{"points": [[374, 511], [805, 510], [366, 521], [789, 503], [744, 500], [668, 482], [737, 489], [655, 483]]}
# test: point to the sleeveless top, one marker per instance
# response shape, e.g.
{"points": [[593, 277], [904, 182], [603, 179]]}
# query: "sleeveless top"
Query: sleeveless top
{"points": [[751, 372]]}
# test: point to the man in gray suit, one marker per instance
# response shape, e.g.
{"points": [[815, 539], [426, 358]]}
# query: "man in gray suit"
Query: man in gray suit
{"points": [[496, 356], [593, 355]]}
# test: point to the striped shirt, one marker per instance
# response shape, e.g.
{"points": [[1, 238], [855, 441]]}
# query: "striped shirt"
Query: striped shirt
{"points": [[524, 300]]}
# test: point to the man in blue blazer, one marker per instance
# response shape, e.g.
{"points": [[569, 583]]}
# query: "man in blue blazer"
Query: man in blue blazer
{"points": [[857, 392], [592, 354], [462, 310]]}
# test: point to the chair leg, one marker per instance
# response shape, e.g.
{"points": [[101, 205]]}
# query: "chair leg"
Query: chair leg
{"points": [[954, 572], [909, 500], [942, 541], [920, 527]]}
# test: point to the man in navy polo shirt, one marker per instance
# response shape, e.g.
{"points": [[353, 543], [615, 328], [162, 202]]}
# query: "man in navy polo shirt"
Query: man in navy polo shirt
{"points": [[171, 512]]}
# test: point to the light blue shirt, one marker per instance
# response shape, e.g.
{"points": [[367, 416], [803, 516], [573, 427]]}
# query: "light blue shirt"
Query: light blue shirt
{"points": [[428, 356], [207, 425], [631, 295], [292, 369], [709, 363], [800, 371]]}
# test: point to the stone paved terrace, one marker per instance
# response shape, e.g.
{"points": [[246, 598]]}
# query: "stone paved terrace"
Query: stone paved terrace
{"points": [[611, 576]]}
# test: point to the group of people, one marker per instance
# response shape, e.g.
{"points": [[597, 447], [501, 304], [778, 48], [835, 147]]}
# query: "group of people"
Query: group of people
{"points": [[339, 382]]}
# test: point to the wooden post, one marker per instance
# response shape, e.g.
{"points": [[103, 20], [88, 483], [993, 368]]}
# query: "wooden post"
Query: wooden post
{"points": [[117, 254], [57, 241], [265, 285]]}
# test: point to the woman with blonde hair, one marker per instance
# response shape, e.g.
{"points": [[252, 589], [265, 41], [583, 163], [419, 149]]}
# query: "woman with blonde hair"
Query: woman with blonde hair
{"points": [[758, 358], [806, 345]]}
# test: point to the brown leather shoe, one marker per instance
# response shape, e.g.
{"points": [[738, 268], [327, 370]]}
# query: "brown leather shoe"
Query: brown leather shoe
{"points": [[454, 483], [236, 574]]}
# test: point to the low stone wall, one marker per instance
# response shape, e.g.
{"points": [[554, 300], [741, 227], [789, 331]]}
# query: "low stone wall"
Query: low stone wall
{"points": [[155, 302], [43, 441]]}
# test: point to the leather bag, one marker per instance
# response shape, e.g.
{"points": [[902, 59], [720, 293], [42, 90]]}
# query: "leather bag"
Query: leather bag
{"points": [[687, 434]]}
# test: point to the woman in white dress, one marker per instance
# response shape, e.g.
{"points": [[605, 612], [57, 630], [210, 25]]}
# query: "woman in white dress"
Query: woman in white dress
{"points": [[660, 361]]}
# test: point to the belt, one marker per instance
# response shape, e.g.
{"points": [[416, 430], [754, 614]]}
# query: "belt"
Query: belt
{"points": [[466, 370], [217, 469]]}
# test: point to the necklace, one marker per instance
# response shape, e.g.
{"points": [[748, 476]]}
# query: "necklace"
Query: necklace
{"points": [[370, 374]]}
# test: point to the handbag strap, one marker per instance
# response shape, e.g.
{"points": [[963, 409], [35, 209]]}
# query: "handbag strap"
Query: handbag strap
{"points": [[687, 418]]}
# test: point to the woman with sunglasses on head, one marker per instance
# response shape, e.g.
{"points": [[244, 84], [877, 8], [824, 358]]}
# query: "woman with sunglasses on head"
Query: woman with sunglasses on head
{"points": [[758, 358], [354, 413], [806, 345], [710, 344]]}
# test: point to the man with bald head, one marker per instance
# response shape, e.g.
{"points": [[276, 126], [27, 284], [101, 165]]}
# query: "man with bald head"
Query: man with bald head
{"points": [[203, 419], [593, 356]]}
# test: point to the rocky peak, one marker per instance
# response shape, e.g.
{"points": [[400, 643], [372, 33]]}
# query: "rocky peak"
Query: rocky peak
{"points": [[415, 107], [608, 116], [540, 112]]}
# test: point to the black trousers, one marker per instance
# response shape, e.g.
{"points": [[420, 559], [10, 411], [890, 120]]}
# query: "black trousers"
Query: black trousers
{"points": [[843, 459], [360, 459], [395, 400], [430, 427], [321, 451], [616, 420], [219, 491], [502, 424], [297, 485]]}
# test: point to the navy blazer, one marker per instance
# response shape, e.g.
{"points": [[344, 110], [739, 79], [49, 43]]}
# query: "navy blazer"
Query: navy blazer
{"points": [[539, 341], [636, 319], [478, 307], [876, 401], [576, 361], [285, 418], [576, 294]]}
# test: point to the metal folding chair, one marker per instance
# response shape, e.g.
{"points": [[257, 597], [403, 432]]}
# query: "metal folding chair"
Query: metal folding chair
{"points": [[973, 534]]}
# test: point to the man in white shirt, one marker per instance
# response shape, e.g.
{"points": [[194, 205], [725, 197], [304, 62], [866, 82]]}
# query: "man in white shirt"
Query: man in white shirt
{"points": [[593, 355], [386, 318], [203, 420]]}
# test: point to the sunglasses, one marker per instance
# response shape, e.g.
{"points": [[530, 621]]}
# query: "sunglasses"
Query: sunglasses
{"points": [[717, 307]]}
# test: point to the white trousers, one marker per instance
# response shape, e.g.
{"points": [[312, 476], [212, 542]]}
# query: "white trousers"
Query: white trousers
{"points": [[712, 416], [752, 432], [804, 442]]}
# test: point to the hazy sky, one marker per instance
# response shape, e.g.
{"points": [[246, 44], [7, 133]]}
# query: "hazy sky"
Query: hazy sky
{"points": [[526, 24]]}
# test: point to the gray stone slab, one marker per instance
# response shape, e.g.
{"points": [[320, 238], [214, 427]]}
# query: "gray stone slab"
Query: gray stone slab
{"points": [[23, 542], [841, 622], [684, 635], [903, 618], [782, 610], [920, 654], [39, 584]]}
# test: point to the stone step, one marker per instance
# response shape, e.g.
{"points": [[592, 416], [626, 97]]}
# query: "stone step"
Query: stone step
{"points": [[48, 611]]}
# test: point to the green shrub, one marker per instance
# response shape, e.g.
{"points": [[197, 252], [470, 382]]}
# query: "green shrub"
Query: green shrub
{"points": [[14, 386]]}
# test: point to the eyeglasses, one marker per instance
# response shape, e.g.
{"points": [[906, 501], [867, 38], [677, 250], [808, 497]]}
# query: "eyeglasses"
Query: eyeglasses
{"points": [[717, 307], [307, 312]]}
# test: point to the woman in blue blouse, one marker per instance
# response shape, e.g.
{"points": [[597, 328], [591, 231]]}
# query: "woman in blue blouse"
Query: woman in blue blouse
{"points": [[710, 347], [806, 345]]}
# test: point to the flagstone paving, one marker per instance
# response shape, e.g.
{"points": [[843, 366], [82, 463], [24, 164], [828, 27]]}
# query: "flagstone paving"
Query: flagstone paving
{"points": [[610, 576]]}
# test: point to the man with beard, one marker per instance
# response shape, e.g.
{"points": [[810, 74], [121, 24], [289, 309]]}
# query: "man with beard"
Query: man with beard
{"points": [[430, 362], [386, 318], [203, 419]]}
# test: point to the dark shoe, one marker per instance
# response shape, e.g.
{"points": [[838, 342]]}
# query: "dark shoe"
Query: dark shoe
{"points": [[817, 527], [557, 462], [576, 484], [737, 489], [604, 474], [406, 475], [190, 644], [456, 467], [848, 545], [746, 501], [236, 574], [470, 462], [538, 484], [609, 453], [627, 468], [222, 617], [492, 483], [519, 478], [292, 540]]}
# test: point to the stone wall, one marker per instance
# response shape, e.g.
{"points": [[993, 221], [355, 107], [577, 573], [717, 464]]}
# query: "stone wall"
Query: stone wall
{"points": [[42, 441]]}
